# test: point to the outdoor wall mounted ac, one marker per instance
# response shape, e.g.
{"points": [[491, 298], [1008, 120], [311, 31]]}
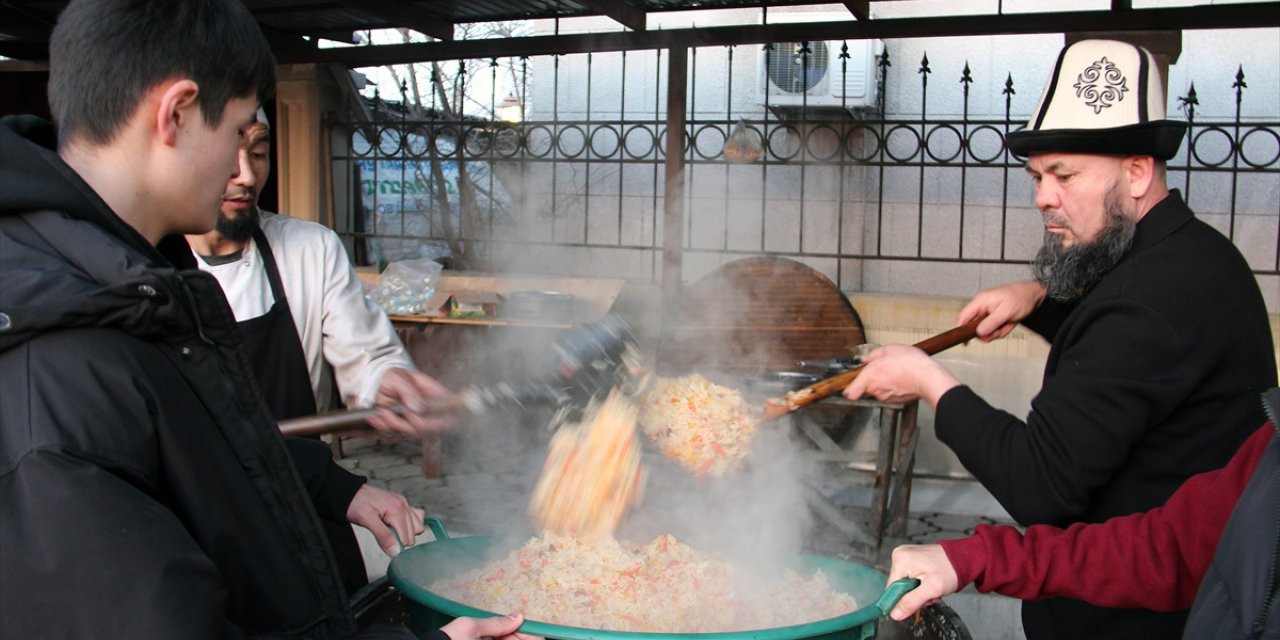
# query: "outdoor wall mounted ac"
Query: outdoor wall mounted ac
{"points": [[829, 80]]}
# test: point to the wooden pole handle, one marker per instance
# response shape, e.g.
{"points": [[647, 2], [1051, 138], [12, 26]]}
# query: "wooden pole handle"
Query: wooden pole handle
{"points": [[775, 407], [320, 424]]}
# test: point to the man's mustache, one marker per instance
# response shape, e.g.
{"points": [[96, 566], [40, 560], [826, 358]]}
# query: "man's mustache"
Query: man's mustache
{"points": [[239, 194], [1053, 219]]}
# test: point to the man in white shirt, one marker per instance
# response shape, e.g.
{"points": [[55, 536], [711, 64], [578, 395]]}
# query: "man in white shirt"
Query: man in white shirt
{"points": [[305, 322]]}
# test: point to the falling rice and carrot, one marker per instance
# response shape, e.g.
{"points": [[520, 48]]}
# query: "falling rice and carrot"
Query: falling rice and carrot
{"points": [[575, 573]]}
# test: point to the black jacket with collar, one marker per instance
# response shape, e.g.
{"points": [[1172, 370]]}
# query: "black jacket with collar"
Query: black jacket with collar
{"points": [[1152, 376], [145, 490]]}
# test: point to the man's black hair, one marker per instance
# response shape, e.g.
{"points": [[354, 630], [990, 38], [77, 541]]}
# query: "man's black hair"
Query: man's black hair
{"points": [[104, 55]]}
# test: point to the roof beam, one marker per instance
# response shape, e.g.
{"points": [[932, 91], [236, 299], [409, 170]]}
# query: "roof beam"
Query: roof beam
{"points": [[621, 11], [24, 33], [24, 50], [1190, 18], [281, 41], [346, 36], [861, 9], [403, 14]]}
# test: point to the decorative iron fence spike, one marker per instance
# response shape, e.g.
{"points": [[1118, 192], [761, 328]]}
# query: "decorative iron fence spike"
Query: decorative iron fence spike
{"points": [[882, 60], [844, 49], [1190, 100], [924, 64], [1008, 86], [1239, 83], [965, 76]]}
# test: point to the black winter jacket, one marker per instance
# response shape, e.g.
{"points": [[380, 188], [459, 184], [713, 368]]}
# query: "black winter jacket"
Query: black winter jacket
{"points": [[1240, 594], [1152, 377], [145, 490]]}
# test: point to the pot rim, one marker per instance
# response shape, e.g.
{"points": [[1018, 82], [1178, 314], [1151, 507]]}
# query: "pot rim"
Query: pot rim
{"points": [[475, 546]]}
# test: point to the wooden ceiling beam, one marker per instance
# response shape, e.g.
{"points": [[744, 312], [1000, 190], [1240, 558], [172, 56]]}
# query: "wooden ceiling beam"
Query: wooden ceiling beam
{"points": [[621, 11], [861, 9], [282, 41], [346, 36], [404, 14], [1231, 16]]}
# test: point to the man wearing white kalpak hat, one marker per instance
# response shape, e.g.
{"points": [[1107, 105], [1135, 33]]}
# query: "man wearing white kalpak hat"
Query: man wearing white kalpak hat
{"points": [[1160, 341]]}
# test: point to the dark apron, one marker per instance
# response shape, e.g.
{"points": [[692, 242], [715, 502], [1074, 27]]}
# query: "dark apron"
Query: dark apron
{"points": [[275, 350], [279, 364]]}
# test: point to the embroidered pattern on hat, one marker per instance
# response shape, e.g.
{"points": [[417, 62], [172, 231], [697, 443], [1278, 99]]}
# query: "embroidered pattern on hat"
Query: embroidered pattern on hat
{"points": [[1101, 84]]}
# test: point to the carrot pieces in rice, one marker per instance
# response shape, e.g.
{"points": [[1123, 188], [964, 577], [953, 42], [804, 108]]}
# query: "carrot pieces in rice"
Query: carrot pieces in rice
{"points": [[705, 427], [592, 473], [664, 586]]}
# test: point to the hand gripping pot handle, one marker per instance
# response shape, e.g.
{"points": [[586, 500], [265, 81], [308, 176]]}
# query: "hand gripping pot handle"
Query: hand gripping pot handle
{"points": [[433, 522], [864, 630], [436, 525], [887, 601]]}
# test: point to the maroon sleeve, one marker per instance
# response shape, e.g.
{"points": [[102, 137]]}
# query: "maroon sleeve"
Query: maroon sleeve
{"points": [[1152, 560]]}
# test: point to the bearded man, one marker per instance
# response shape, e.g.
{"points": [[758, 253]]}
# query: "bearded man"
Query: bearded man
{"points": [[306, 324], [1160, 340]]}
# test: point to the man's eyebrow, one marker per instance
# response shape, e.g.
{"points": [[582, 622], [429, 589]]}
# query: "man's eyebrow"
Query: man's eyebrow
{"points": [[1052, 167]]}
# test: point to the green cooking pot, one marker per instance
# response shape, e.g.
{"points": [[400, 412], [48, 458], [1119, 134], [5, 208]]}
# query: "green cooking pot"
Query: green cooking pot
{"points": [[415, 568]]}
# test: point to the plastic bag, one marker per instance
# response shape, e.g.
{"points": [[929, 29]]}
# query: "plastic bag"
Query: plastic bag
{"points": [[405, 287], [743, 144]]}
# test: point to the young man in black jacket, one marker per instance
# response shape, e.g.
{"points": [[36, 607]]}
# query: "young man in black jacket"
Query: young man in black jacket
{"points": [[145, 490]]}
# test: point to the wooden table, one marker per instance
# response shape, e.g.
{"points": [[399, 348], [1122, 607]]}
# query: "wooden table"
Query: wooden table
{"points": [[459, 351]]}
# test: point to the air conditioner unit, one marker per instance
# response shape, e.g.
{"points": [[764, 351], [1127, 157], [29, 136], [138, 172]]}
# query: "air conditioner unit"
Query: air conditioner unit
{"points": [[790, 78]]}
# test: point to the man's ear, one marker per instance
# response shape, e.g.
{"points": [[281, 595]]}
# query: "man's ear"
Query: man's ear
{"points": [[176, 106], [1141, 171]]}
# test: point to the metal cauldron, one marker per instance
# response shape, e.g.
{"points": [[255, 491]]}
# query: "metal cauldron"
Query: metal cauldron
{"points": [[416, 568]]}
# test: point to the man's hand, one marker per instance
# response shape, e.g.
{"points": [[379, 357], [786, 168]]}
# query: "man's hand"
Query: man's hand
{"points": [[381, 511], [498, 627], [928, 564], [415, 391], [1003, 307], [899, 373]]}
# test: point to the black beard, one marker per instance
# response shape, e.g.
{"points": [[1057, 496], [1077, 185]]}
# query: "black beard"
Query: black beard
{"points": [[1068, 273], [239, 228]]}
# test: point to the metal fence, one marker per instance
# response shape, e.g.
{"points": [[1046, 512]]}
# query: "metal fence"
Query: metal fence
{"points": [[578, 170]]}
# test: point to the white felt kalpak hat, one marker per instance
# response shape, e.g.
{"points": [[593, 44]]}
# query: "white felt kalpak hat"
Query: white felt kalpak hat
{"points": [[1104, 97]]}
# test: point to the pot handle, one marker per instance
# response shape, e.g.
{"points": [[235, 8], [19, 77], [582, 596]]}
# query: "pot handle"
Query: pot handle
{"points": [[433, 522], [892, 594], [437, 529]]}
